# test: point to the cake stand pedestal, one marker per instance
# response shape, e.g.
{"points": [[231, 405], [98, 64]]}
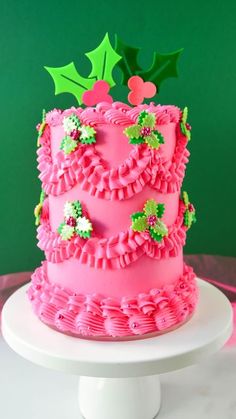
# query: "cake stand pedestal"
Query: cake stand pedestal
{"points": [[119, 380]]}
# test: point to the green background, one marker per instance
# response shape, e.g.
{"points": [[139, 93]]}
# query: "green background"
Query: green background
{"points": [[54, 33]]}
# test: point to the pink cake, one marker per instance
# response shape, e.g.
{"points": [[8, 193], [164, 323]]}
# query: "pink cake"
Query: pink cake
{"points": [[113, 221]]}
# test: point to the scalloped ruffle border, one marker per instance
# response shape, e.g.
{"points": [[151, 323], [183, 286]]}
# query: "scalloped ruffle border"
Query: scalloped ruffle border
{"points": [[96, 316], [142, 166], [110, 253]]}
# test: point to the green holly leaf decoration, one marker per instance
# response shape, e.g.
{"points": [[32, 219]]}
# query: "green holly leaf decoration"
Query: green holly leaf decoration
{"points": [[149, 120], [159, 136], [185, 198], [78, 208], [163, 66], [133, 131], [160, 228], [139, 224], [183, 124], [87, 134], [150, 207], [84, 234], [59, 230], [160, 210], [67, 232], [137, 215], [143, 131], [68, 80], [103, 60], [42, 127], [152, 141], [39, 207], [141, 117], [129, 63], [154, 235], [68, 144]]}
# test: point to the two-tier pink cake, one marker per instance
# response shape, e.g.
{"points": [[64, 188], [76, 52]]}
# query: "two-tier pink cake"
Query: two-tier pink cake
{"points": [[113, 221]]}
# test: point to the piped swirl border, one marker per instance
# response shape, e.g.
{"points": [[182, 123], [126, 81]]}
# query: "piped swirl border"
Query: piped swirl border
{"points": [[96, 316]]}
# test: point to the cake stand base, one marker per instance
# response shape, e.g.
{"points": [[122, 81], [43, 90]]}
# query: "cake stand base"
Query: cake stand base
{"points": [[119, 380], [116, 398]]}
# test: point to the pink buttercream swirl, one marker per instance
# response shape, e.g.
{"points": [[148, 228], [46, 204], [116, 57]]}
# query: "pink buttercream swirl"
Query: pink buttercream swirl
{"points": [[143, 166], [114, 252], [98, 316]]}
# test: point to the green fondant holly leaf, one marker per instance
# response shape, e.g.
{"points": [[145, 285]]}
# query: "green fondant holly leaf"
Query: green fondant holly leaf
{"points": [[133, 131], [137, 215], [68, 80], [152, 140], [78, 208], [150, 207], [84, 234], [129, 64], [160, 228], [83, 227], [67, 232], [103, 60], [160, 137], [71, 210], [163, 67], [183, 124], [59, 230], [141, 117], [68, 144], [185, 198], [149, 120], [87, 134], [160, 210], [140, 224], [155, 236]]}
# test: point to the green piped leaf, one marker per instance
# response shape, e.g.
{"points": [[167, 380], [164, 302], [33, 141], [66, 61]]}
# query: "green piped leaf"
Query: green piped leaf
{"points": [[152, 141], [149, 120], [163, 66], [68, 80], [103, 60], [150, 207], [160, 210], [129, 64], [139, 224], [133, 131], [68, 144], [137, 215], [185, 115]]}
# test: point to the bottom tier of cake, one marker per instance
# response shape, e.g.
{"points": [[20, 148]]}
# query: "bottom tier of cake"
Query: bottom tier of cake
{"points": [[95, 316]]}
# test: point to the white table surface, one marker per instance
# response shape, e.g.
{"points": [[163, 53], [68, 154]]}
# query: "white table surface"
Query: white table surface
{"points": [[204, 391]]}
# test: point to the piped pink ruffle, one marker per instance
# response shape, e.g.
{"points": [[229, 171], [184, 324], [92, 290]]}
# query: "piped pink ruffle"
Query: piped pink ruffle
{"points": [[143, 166], [98, 316], [114, 252]]}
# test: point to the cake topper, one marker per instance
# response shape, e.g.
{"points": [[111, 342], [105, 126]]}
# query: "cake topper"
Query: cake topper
{"points": [[143, 83]]}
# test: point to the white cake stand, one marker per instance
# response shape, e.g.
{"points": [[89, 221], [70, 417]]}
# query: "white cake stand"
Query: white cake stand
{"points": [[119, 379]]}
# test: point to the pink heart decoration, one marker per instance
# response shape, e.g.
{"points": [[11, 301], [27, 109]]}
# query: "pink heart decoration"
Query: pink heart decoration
{"points": [[140, 90], [99, 93]]}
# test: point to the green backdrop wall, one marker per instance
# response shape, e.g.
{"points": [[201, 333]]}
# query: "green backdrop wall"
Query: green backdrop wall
{"points": [[54, 33]]}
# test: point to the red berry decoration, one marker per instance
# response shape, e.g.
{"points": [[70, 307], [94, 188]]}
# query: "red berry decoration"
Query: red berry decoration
{"points": [[71, 221]]}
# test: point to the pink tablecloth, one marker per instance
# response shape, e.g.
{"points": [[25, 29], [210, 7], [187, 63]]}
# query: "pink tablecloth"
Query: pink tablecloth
{"points": [[219, 270]]}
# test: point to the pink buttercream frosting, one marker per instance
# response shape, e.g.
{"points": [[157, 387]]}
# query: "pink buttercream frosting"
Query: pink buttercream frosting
{"points": [[96, 316], [114, 252], [87, 167]]}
